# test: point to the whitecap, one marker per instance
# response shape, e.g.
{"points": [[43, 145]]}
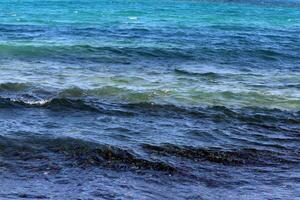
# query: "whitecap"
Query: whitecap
{"points": [[133, 18], [34, 102]]}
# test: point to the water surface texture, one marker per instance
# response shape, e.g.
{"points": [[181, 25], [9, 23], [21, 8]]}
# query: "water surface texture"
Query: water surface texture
{"points": [[150, 99]]}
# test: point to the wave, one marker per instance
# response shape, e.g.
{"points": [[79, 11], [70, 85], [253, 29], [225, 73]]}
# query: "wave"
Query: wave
{"points": [[123, 101], [47, 103], [297, 86], [269, 118], [227, 157], [279, 3], [93, 53], [11, 86], [77, 153], [254, 57], [65, 105], [113, 93], [72, 152], [123, 94], [220, 113], [204, 74]]}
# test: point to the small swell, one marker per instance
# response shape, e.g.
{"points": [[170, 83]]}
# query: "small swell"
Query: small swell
{"points": [[104, 54], [219, 113], [203, 74], [78, 153], [95, 154], [250, 115], [112, 92], [47, 103], [10, 86], [297, 86], [217, 155]]}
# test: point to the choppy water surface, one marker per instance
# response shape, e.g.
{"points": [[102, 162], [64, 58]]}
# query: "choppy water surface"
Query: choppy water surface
{"points": [[170, 99]]}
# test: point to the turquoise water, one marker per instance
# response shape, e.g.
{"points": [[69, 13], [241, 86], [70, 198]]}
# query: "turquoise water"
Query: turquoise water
{"points": [[160, 52], [170, 99]]}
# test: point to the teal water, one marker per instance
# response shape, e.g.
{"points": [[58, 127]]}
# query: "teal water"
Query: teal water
{"points": [[170, 99]]}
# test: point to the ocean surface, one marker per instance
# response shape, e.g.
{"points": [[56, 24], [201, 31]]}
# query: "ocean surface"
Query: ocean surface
{"points": [[150, 99]]}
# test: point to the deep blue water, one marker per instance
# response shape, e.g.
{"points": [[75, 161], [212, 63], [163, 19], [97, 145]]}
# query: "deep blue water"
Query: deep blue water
{"points": [[136, 99]]}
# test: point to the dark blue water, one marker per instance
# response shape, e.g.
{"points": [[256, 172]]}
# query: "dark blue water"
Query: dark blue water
{"points": [[150, 99]]}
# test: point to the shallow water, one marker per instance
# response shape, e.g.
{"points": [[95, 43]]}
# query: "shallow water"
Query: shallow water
{"points": [[149, 99]]}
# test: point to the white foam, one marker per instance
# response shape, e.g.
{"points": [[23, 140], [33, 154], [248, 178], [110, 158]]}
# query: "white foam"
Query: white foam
{"points": [[133, 18], [34, 102]]}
